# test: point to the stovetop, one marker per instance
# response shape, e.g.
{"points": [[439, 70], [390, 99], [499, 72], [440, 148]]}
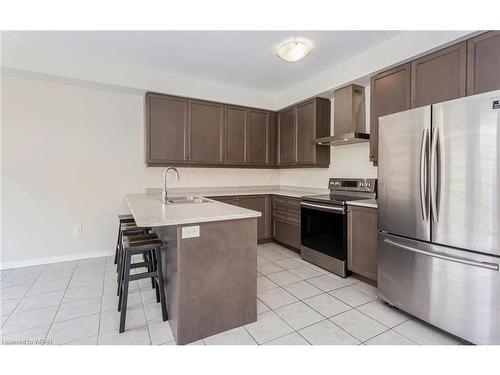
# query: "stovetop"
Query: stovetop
{"points": [[343, 190]]}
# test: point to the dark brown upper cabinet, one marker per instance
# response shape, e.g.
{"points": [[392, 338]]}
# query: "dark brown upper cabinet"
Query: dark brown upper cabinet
{"points": [[206, 132], [235, 125], [439, 76], [390, 93], [166, 129], [483, 63], [287, 148], [258, 137], [298, 128]]}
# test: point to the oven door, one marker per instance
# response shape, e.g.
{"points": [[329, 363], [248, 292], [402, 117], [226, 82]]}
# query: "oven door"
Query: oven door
{"points": [[324, 229]]}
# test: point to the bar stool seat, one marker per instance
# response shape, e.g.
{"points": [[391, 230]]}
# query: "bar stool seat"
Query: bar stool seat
{"points": [[149, 246]]}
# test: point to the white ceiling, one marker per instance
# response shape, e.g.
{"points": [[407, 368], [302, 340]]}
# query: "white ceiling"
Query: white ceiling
{"points": [[239, 58]]}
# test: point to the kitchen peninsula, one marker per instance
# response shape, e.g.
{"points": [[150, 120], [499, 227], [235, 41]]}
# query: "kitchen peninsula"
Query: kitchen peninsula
{"points": [[209, 262]]}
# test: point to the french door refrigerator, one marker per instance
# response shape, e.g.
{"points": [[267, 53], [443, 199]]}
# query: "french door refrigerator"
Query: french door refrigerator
{"points": [[439, 207]]}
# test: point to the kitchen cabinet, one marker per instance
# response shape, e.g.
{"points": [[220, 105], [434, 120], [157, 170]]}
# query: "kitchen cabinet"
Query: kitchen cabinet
{"points": [[298, 128], [483, 63], [206, 132], [166, 129], [260, 203], [439, 76], [258, 138], [286, 221], [390, 93], [362, 241], [235, 125], [287, 150]]}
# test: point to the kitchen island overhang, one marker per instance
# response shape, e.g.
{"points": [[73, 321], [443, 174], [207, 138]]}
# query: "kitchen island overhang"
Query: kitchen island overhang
{"points": [[211, 276]]}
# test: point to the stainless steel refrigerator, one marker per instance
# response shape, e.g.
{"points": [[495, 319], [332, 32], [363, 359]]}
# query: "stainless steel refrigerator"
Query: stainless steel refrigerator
{"points": [[439, 208]]}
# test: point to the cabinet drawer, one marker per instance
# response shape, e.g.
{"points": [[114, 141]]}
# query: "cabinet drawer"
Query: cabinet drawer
{"points": [[286, 216], [290, 205], [286, 232]]}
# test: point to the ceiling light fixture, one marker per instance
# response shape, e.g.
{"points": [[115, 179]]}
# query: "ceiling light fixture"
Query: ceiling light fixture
{"points": [[294, 50]]}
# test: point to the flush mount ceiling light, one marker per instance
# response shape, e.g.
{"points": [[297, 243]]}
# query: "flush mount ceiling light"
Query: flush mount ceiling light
{"points": [[294, 50]]}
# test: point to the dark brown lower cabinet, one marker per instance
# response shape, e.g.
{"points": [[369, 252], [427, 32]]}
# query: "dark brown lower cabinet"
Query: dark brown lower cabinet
{"points": [[286, 221], [362, 241], [260, 203]]}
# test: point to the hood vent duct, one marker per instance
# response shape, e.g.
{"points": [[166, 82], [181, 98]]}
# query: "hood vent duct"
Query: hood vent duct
{"points": [[349, 118]]}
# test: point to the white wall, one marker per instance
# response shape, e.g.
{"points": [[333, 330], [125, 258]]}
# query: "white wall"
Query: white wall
{"points": [[69, 155]]}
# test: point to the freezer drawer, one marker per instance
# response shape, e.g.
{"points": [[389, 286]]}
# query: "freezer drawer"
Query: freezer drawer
{"points": [[455, 290]]}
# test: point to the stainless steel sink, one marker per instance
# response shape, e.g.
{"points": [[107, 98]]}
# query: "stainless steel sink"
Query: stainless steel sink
{"points": [[187, 200]]}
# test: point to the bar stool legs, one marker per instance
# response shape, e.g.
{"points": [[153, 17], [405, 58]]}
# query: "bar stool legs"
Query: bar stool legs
{"points": [[150, 247]]}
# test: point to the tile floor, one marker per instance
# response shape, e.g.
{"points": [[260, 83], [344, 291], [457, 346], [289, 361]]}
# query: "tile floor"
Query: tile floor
{"points": [[298, 304]]}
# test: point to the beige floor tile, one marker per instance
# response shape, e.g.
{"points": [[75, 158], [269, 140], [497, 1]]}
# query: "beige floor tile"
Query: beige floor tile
{"points": [[327, 305], [389, 337], [388, 316], [325, 283], [75, 329], [351, 296], [425, 334], [236, 336], [290, 339], [302, 289], [276, 297], [131, 336], [283, 278], [358, 324], [298, 315], [327, 333], [268, 326]]}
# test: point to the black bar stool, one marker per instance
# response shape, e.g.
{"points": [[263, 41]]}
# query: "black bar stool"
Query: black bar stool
{"points": [[149, 246], [122, 219], [127, 229]]}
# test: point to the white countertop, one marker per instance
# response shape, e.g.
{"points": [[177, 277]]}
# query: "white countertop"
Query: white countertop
{"points": [[149, 211], [371, 203]]}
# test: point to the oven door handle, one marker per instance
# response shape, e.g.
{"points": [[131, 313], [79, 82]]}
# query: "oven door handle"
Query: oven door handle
{"points": [[333, 209]]}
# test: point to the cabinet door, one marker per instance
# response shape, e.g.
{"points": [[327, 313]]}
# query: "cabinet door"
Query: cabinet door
{"points": [[287, 137], [306, 133], [483, 63], [206, 132], [362, 241], [286, 232], [261, 204], [439, 76], [235, 135], [166, 129], [258, 137], [390, 93]]}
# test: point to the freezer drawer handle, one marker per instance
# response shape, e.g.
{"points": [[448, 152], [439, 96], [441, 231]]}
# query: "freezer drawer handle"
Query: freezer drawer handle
{"points": [[327, 208], [490, 266]]}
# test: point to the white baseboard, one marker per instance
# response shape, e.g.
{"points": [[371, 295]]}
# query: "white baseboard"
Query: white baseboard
{"points": [[57, 259]]}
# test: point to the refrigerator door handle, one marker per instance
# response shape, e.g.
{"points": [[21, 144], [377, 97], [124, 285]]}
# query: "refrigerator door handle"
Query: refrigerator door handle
{"points": [[487, 265], [423, 173], [434, 174]]}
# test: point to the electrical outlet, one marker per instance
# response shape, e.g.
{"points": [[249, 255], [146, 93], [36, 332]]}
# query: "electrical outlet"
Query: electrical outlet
{"points": [[191, 232], [78, 230]]}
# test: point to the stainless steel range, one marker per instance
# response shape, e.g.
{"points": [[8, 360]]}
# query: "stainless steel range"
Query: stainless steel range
{"points": [[324, 222]]}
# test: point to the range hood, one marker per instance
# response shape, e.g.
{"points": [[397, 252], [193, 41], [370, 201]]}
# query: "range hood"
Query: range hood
{"points": [[349, 118]]}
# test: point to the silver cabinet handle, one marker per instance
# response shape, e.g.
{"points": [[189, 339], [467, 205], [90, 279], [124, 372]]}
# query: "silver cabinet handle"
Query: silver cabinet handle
{"points": [[328, 208], [487, 265], [434, 174], [423, 173]]}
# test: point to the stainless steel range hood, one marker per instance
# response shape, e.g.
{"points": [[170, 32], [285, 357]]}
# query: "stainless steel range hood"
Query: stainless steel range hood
{"points": [[349, 118]]}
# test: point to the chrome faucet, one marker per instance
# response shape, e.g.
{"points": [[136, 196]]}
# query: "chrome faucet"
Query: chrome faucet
{"points": [[164, 195]]}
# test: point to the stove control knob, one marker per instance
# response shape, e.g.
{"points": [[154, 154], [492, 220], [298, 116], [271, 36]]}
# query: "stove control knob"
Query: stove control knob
{"points": [[362, 184], [368, 184]]}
